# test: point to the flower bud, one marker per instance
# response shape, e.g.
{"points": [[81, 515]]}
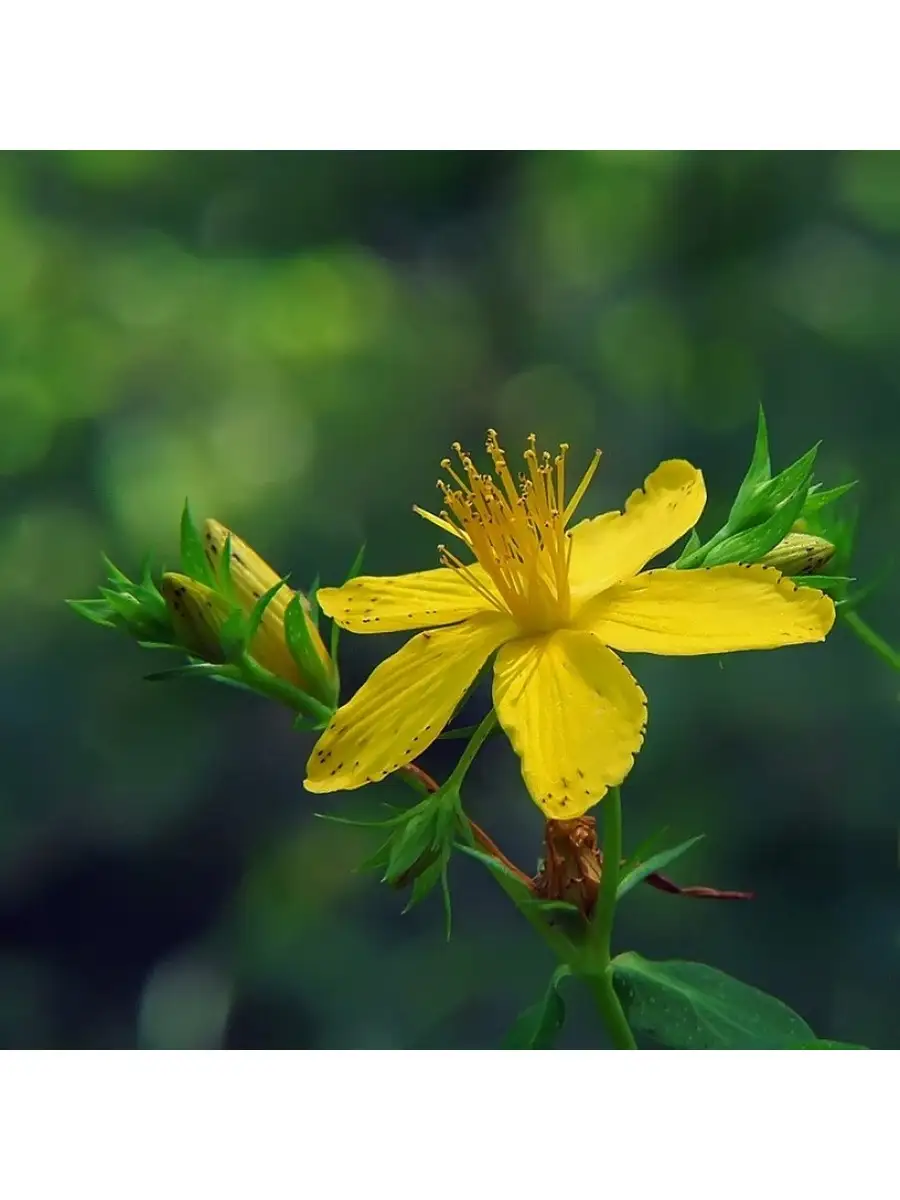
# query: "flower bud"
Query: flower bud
{"points": [[799, 554], [309, 668], [197, 614]]}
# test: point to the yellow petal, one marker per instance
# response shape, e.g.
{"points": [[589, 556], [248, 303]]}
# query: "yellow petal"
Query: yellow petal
{"points": [[708, 611], [574, 714], [403, 705], [392, 603], [617, 545]]}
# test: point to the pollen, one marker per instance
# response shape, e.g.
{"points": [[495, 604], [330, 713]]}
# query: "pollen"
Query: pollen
{"points": [[515, 528]]}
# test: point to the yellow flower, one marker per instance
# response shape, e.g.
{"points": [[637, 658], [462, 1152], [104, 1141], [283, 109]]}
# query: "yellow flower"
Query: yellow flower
{"points": [[251, 578], [555, 603]]}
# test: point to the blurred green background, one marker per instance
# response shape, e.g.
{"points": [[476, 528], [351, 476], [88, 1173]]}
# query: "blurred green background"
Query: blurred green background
{"points": [[293, 340]]}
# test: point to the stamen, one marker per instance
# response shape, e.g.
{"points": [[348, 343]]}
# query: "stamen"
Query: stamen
{"points": [[578, 494], [450, 560], [443, 523]]}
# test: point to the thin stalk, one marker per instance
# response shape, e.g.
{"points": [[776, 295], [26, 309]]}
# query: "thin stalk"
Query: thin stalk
{"points": [[600, 936], [870, 638]]}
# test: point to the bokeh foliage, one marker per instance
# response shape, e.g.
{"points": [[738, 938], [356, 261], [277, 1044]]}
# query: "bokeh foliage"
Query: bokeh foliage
{"points": [[294, 340]]}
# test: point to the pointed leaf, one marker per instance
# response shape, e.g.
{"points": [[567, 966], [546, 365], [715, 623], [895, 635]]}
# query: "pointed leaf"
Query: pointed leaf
{"points": [[356, 564], [817, 499], [691, 546], [115, 575], [524, 895], [193, 555], [655, 863], [97, 611], [538, 1027], [188, 670], [313, 600], [751, 544], [259, 608], [760, 469], [690, 1006]]}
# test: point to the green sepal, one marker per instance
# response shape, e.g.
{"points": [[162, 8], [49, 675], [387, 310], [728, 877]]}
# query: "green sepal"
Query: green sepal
{"points": [[233, 635], [97, 611], [776, 492], [692, 545], [193, 556], [335, 628], [225, 577], [323, 684], [817, 499], [760, 470], [313, 598], [538, 1027], [690, 1006], [117, 577], [656, 862], [750, 544], [425, 836], [825, 583], [257, 612], [194, 670]]}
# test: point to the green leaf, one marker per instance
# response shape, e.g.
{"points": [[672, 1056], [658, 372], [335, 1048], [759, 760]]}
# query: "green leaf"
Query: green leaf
{"points": [[787, 483], [115, 575], [655, 863], [538, 1027], [225, 576], [97, 611], [312, 597], [820, 1044], [193, 556], [693, 543], [817, 499], [690, 1006], [356, 564], [502, 871], [335, 628], [650, 845], [188, 670], [751, 544], [233, 635], [259, 608], [760, 469], [824, 583]]}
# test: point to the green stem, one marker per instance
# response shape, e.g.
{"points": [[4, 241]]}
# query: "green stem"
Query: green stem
{"points": [[475, 743], [600, 935], [870, 638], [279, 689]]}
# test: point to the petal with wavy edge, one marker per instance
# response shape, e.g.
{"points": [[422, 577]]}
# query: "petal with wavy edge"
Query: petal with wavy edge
{"points": [[574, 714], [613, 547]]}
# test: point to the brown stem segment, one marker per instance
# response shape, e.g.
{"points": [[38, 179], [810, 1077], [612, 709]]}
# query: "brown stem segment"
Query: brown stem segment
{"points": [[538, 885]]}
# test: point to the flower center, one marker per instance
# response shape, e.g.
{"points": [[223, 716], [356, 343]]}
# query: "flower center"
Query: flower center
{"points": [[517, 533]]}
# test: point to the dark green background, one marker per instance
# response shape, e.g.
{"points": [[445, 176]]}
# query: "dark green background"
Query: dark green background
{"points": [[294, 340]]}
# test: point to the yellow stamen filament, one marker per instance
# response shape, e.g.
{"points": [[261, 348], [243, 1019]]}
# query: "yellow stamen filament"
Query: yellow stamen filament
{"points": [[517, 533]]}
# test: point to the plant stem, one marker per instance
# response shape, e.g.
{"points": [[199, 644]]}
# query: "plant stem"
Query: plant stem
{"points": [[600, 935], [279, 689], [873, 640], [474, 744]]}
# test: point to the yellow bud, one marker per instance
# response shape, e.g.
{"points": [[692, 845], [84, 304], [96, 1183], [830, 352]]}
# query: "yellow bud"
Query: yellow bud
{"points": [[198, 614], [799, 554], [251, 578]]}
